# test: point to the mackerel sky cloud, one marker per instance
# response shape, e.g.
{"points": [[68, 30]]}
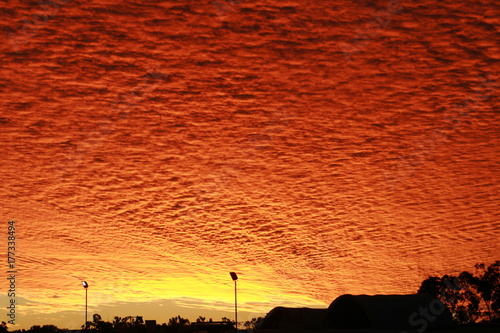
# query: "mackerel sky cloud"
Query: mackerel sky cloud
{"points": [[314, 148]]}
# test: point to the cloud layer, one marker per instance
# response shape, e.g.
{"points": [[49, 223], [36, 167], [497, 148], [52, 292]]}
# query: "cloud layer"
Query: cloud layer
{"points": [[314, 148]]}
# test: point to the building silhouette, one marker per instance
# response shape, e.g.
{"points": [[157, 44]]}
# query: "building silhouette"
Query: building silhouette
{"points": [[420, 311]]}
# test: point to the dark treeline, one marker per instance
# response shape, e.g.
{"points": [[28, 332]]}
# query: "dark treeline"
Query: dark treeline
{"points": [[471, 298], [132, 324]]}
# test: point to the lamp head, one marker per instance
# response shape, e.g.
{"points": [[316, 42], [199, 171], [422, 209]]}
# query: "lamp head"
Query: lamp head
{"points": [[233, 276], [85, 284]]}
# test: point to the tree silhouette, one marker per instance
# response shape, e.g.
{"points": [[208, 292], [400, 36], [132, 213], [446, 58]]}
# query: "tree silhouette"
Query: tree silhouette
{"points": [[100, 325], [117, 322], [3, 327], [488, 284], [466, 295], [178, 321], [124, 322], [252, 324], [45, 329]]}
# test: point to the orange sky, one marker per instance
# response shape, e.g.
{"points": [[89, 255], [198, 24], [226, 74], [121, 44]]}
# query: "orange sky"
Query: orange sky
{"points": [[315, 148]]}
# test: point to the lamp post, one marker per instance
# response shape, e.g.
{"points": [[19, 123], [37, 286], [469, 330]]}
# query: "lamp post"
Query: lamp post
{"points": [[86, 286], [235, 278]]}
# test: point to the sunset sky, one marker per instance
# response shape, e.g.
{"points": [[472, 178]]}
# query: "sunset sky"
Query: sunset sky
{"points": [[315, 148]]}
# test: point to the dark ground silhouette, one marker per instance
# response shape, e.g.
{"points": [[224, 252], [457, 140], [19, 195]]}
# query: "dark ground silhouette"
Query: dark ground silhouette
{"points": [[469, 302]]}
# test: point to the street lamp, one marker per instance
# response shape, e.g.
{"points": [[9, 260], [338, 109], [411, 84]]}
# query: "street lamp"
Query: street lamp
{"points": [[86, 286], [235, 278]]}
